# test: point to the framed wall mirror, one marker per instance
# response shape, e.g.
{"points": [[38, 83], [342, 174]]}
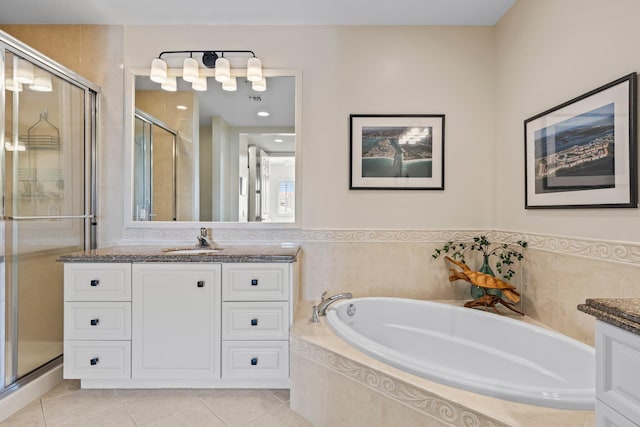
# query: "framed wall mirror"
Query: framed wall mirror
{"points": [[213, 156]]}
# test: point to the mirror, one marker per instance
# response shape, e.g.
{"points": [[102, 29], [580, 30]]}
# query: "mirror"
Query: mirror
{"points": [[209, 155]]}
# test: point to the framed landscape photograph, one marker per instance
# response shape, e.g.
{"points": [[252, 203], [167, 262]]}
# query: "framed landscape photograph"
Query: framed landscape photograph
{"points": [[582, 154], [399, 152]]}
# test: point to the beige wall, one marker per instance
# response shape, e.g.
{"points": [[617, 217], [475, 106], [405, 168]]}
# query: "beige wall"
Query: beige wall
{"points": [[487, 81], [357, 70]]}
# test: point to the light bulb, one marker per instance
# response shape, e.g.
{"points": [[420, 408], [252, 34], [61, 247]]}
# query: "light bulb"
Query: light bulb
{"points": [[230, 85], [190, 70], [200, 84], [24, 72], [41, 84], [223, 70], [259, 85], [158, 71], [254, 69], [170, 84]]}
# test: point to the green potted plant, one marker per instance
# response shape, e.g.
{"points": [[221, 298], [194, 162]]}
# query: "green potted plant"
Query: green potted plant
{"points": [[507, 254]]}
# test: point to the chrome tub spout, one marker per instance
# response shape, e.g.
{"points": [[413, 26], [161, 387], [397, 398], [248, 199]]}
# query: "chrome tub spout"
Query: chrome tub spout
{"points": [[326, 302]]}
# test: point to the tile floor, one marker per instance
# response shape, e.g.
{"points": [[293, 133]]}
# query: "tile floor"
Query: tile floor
{"points": [[68, 405]]}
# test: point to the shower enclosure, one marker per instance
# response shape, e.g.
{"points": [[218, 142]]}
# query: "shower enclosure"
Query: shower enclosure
{"points": [[155, 172], [47, 179]]}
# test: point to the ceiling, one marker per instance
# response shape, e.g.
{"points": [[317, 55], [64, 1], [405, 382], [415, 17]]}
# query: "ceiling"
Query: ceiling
{"points": [[255, 12]]}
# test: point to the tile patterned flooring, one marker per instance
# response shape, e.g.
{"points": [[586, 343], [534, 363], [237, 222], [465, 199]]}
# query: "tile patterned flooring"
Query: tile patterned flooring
{"points": [[68, 405]]}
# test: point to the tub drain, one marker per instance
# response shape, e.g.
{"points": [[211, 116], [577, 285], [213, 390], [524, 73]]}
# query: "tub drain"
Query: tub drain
{"points": [[351, 310]]}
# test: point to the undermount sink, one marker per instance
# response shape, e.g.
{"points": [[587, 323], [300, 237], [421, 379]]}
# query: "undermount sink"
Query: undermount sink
{"points": [[192, 251]]}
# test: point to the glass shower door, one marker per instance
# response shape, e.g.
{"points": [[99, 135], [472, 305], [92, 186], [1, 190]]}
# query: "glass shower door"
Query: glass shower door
{"points": [[46, 206]]}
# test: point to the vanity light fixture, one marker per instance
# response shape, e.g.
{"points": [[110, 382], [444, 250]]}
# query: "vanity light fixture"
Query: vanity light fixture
{"points": [[41, 84], [12, 85], [170, 84], [190, 70], [230, 85], [24, 71], [200, 84], [259, 85], [210, 59]]}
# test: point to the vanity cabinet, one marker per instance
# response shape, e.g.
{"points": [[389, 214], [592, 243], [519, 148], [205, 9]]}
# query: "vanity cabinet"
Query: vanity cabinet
{"points": [[176, 321], [255, 321], [179, 324], [97, 321], [617, 385]]}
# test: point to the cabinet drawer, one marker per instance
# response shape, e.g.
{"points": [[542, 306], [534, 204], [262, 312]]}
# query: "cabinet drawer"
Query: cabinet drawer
{"points": [[255, 282], [255, 359], [255, 320], [618, 354], [97, 282], [97, 321], [97, 359]]}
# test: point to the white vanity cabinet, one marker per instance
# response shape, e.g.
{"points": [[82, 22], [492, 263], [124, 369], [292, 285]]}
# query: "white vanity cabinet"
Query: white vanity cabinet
{"points": [[97, 321], [256, 319], [176, 321], [617, 376], [179, 324]]}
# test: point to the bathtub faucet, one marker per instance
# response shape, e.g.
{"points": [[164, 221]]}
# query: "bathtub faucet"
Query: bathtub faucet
{"points": [[326, 302]]}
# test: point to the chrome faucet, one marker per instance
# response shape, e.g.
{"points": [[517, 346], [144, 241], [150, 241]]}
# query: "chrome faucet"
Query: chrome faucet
{"points": [[326, 302], [203, 239]]}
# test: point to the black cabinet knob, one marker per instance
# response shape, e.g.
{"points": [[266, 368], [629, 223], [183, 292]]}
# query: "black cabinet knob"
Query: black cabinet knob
{"points": [[254, 282], [95, 322], [254, 361], [201, 283], [94, 361], [95, 282], [254, 322]]}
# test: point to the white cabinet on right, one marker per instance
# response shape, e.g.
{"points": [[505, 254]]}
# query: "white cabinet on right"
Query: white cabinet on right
{"points": [[256, 319], [617, 376]]}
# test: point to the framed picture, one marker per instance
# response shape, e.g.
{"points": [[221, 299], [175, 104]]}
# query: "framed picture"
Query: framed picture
{"points": [[582, 154], [397, 152]]}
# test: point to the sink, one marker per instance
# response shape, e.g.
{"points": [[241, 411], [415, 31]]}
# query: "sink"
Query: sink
{"points": [[192, 251]]}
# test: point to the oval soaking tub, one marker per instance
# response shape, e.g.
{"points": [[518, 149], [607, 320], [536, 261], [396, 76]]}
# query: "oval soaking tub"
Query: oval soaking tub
{"points": [[470, 349]]}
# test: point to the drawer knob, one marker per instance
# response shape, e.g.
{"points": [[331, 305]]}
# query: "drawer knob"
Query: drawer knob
{"points": [[94, 361], [254, 361], [201, 283], [254, 282], [95, 322], [95, 282], [254, 322]]}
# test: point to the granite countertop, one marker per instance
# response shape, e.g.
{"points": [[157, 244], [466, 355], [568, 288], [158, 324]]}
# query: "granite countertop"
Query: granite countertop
{"points": [[621, 312], [152, 253]]}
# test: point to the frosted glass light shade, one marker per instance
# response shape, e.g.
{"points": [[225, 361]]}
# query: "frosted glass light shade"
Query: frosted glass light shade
{"points": [[254, 69], [158, 71], [223, 70], [200, 84], [190, 70], [230, 85], [24, 72], [41, 84], [259, 85], [12, 85], [170, 84]]}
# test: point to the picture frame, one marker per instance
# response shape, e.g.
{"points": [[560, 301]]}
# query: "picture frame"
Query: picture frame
{"points": [[396, 152], [582, 153]]}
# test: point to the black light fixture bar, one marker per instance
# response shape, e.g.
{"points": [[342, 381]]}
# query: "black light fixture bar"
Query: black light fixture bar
{"points": [[208, 56]]}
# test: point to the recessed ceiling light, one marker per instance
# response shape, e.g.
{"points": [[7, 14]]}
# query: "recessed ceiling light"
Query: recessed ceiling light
{"points": [[277, 140], [181, 107], [263, 114]]}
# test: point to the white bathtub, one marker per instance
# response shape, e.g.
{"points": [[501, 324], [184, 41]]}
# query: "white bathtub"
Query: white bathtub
{"points": [[471, 349]]}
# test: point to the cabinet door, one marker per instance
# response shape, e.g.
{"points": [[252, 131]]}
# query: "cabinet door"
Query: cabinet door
{"points": [[176, 321]]}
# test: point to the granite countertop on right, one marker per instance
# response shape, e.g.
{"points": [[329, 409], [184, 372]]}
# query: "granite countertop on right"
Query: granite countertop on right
{"points": [[621, 312]]}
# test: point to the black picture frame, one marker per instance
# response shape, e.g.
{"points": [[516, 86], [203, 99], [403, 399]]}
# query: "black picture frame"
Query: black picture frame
{"points": [[396, 151], [583, 153]]}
